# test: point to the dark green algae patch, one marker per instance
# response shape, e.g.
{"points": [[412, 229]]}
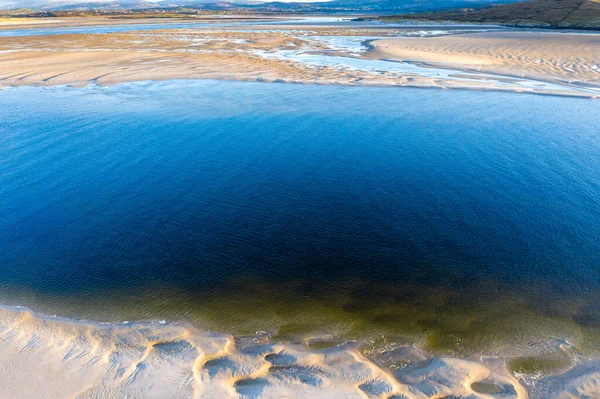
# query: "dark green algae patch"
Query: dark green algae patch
{"points": [[538, 365]]}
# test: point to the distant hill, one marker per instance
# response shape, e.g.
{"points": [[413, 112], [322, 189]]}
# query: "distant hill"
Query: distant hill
{"points": [[582, 14], [412, 5]]}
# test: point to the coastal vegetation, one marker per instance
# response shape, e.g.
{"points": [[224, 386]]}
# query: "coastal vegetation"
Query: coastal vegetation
{"points": [[579, 14]]}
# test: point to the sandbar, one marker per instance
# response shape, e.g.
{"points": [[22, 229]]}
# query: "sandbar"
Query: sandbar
{"points": [[565, 58], [569, 64]]}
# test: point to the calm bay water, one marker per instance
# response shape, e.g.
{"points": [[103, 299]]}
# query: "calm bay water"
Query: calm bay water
{"points": [[464, 218]]}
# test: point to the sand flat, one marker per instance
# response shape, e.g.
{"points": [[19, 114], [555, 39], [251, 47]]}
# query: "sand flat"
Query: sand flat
{"points": [[547, 56], [296, 55], [8, 22]]}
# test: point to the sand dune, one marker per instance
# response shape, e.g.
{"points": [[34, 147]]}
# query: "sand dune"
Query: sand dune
{"points": [[43, 357]]}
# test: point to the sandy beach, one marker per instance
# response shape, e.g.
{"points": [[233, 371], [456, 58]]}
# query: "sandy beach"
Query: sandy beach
{"points": [[507, 61]]}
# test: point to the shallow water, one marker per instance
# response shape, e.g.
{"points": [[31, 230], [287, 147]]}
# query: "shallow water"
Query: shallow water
{"points": [[99, 29], [464, 220], [412, 29], [115, 28]]}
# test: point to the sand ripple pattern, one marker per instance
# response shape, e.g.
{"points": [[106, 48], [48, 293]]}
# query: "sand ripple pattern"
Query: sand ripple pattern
{"points": [[566, 58]]}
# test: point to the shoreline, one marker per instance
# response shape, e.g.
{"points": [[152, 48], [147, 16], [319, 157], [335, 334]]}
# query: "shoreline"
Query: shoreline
{"points": [[548, 28], [130, 358], [149, 359]]}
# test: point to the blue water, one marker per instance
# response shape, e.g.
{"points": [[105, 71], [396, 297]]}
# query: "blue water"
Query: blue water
{"points": [[162, 198]]}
